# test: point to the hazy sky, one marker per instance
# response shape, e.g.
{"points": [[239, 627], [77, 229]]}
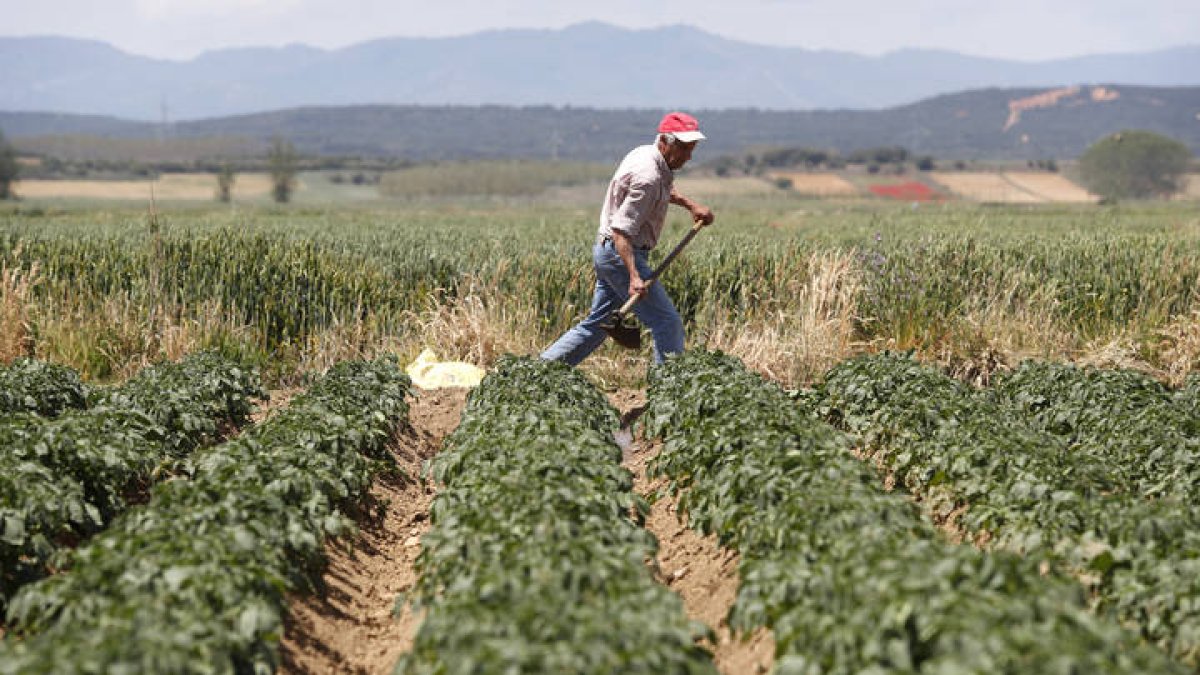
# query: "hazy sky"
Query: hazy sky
{"points": [[1016, 29]]}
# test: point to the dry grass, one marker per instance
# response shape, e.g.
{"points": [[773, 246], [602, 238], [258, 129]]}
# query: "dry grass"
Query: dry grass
{"points": [[1050, 186], [1180, 347], [797, 346], [985, 187], [476, 327], [819, 184], [1190, 187], [181, 187], [120, 338], [1001, 328], [15, 286]]}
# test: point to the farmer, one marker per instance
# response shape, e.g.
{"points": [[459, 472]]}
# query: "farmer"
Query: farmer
{"points": [[631, 220]]}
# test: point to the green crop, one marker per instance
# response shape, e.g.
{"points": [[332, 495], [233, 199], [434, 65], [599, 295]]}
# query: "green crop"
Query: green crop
{"points": [[29, 385], [534, 564], [194, 581], [65, 478], [1091, 470], [848, 577]]}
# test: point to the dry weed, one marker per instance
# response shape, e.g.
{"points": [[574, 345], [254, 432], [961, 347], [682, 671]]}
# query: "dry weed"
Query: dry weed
{"points": [[797, 345], [477, 326], [1179, 348], [357, 339], [1120, 351], [16, 284], [999, 329]]}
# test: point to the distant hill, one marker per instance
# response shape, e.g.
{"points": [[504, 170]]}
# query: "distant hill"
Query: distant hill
{"points": [[986, 124], [586, 65]]}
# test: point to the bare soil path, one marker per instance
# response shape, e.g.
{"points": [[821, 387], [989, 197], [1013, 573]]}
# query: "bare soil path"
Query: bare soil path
{"points": [[349, 627], [698, 568]]}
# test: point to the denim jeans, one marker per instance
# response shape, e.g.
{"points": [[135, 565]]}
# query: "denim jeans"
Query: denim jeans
{"points": [[655, 310]]}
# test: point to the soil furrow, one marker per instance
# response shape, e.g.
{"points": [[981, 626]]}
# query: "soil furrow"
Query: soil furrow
{"points": [[698, 568], [348, 626]]}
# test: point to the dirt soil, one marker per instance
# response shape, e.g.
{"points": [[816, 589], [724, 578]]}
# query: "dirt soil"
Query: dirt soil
{"points": [[349, 627], [698, 568]]}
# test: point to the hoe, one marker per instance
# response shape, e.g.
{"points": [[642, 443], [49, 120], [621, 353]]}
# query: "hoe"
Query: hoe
{"points": [[622, 327]]}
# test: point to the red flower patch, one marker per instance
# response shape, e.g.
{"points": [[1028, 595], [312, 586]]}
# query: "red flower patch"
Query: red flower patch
{"points": [[911, 191]]}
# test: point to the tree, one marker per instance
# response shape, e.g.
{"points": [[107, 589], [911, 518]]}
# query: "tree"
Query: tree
{"points": [[1134, 164], [281, 162], [9, 168], [225, 179]]}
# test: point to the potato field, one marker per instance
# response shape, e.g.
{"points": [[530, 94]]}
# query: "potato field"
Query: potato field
{"points": [[905, 438]]}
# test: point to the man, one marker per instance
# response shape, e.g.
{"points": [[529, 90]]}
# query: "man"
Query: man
{"points": [[631, 220]]}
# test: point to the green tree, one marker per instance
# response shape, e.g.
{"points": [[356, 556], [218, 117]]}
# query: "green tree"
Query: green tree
{"points": [[225, 179], [9, 168], [1134, 164], [281, 162]]}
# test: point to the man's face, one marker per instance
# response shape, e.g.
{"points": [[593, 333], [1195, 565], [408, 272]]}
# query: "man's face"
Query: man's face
{"points": [[678, 154]]}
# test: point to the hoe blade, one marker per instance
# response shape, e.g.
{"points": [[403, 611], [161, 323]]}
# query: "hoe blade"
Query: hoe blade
{"points": [[624, 331]]}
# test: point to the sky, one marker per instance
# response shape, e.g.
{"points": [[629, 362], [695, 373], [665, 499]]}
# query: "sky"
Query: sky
{"points": [[1024, 30]]}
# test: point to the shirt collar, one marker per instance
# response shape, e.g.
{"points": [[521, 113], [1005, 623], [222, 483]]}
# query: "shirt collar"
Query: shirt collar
{"points": [[662, 161]]}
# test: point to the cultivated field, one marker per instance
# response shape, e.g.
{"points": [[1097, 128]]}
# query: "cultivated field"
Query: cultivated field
{"points": [[945, 438], [819, 184], [1051, 187], [171, 186], [992, 188]]}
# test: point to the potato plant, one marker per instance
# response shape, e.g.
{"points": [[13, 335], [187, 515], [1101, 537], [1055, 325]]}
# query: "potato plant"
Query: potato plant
{"points": [[536, 562], [29, 385], [194, 581], [851, 578], [1092, 471], [65, 478]]}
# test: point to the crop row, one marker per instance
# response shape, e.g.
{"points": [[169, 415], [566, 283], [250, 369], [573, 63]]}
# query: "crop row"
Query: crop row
{"points": [[1092, 470], [62, 479], [1147, 436], [535, 563], [194, 581], [32, 386], [851, 578]]}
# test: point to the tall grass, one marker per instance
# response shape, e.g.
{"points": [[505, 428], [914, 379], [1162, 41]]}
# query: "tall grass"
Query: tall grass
{"points": [[790, 285], [16, 284]]}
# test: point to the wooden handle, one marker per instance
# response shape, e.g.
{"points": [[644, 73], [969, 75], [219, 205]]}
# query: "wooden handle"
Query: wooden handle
{"points": [[633, 299]]}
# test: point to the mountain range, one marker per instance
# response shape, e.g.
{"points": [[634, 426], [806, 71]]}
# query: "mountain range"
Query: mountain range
{"points": [[586, 65], [1026, 124]]}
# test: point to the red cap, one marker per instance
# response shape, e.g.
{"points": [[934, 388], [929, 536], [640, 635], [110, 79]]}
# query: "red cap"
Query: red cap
{"points": [[682, 125]]}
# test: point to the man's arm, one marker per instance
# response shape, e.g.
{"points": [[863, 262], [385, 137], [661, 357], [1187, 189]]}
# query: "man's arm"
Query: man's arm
{"points": [[624, 247], [699, 211]]}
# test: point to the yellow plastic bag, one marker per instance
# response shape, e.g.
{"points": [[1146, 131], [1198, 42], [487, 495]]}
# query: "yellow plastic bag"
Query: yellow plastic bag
{"points": [[429, 373]]}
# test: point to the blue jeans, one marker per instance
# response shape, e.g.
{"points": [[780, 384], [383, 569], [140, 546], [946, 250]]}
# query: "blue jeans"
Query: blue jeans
{"points": [[655, 309]]}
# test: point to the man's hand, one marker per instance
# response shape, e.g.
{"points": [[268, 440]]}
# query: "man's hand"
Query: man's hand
{"points": [[701, 214], [636, 285]]}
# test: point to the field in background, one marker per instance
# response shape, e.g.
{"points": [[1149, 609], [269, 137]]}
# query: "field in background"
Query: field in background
{"points": [[819, 184], [986, 187], [790, 284], [577, 182], [1051, 187], [171, 186]]}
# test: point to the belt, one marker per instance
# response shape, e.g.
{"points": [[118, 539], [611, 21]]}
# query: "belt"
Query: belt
{"points": [[605, 240]]}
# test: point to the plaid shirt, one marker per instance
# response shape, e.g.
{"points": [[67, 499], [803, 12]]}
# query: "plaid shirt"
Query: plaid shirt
{"points": [[637, 198]]}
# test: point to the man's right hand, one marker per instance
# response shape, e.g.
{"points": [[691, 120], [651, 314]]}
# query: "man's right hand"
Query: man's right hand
{"points": [[637, 286]]}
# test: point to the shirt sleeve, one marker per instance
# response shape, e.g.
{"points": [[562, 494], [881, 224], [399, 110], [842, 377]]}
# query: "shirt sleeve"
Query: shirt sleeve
{"points": [[633, 206]]}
